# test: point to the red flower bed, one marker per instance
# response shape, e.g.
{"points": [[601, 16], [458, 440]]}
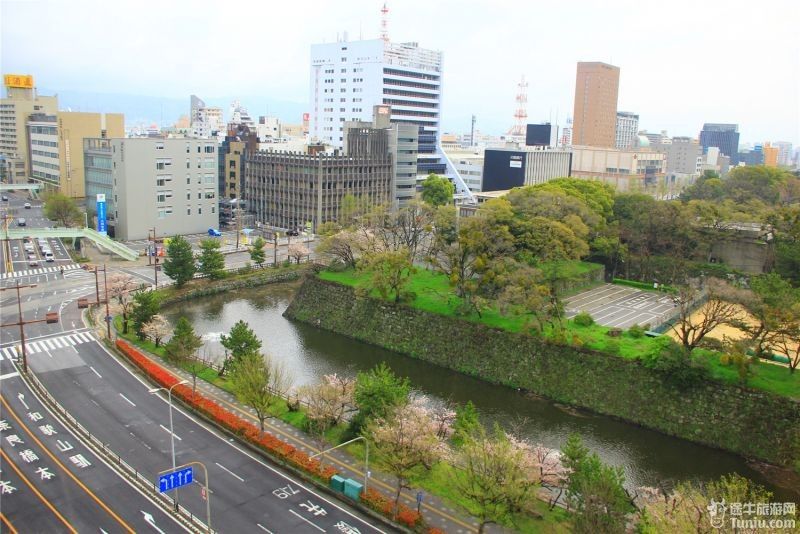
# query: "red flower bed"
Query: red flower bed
{"points": [[276, 447]]}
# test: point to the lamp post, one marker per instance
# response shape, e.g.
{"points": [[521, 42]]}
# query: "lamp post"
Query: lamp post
{"points": [[171, 431], [50, 318]]}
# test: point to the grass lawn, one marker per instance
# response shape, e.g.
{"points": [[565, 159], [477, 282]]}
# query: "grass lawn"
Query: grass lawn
{"points": [[434, 294]]}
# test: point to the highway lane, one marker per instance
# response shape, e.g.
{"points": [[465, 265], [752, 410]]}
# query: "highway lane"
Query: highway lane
{"points": [[246, 491], [50, 482]]}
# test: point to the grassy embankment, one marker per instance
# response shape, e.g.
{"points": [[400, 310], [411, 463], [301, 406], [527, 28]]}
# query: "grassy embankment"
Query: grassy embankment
{"points": [[434, 294]]}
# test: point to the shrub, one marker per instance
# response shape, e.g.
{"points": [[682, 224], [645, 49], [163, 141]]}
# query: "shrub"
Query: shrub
{"points": [[677, 363], [583, 319], [636, 331]]}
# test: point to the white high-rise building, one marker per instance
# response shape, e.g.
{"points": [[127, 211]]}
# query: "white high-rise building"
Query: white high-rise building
{"points": [[348, 78], [627, 129]]}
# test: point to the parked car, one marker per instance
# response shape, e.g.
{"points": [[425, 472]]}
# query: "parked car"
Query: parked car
{"points": [[293, 233], [22, 222], [5, 198], [214, 233]]}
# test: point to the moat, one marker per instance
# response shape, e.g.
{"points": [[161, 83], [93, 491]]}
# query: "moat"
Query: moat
{"points": [[648, 457]]}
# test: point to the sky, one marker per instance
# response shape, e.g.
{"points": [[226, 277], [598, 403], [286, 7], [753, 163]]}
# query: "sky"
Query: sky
{"points": [[682, 63]]}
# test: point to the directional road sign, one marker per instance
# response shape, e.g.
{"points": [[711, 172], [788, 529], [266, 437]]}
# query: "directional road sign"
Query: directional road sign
{"points": [[175, 479]]}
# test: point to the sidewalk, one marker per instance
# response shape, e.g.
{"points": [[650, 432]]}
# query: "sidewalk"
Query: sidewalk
{"points": [[436, 513]]}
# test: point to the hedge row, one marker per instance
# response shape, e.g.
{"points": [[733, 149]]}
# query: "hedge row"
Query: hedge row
{"points": [[643, 285], [273, 446]]}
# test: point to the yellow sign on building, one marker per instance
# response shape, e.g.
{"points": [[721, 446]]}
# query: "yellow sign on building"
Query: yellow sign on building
{"points": [[21, 81]]}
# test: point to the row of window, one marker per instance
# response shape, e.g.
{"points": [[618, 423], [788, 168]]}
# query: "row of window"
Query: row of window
{"points": [[44, 130], [41, 142], [394, 102], [45, 154]]}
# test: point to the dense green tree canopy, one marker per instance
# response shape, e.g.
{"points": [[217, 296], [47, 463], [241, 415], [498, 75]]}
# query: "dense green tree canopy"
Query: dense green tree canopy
{"points": [[179, 264], [437, 190]]}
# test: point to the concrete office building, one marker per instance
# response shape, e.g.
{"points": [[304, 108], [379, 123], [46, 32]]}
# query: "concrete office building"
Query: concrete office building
{"points": [[683, 155], [627, 129], [508, 168], [751, 156], [595, 113], [469, 164], [56, 147], [723, 136], [637, 169], [21, 101], [348, 78], [167, 183], [290, 190], [205, 121], [770, 155], [784, 152]]}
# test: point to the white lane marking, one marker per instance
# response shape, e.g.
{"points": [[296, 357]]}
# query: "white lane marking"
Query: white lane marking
{"points": [[60, 344], [265, 529], [129, 401], [34, 347], [9, 375], [98, 374], [307, 521], [83, 337], [229, 471], [70, 340], [50, 344], [167, 431]]}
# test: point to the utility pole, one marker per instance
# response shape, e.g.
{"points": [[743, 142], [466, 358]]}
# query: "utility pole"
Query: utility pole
{"points": [[108, 312], [50, 318], [153, 250]]}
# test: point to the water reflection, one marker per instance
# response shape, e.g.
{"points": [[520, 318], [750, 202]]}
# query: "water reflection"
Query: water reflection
{"points": [[648, 457]]}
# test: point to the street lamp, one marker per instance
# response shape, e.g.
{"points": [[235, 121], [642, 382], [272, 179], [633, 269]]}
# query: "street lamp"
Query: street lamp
{"points": [[171, 431], [366, 458]]}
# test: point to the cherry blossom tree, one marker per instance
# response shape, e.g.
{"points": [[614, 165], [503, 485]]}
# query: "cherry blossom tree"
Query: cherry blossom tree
{"points": [[406, 441], [298, 252], [157, 329], [120, 289], [328, 401]]}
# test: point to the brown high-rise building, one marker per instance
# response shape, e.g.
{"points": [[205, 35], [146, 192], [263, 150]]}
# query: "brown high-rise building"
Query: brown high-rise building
{"points": [[595, 115]]}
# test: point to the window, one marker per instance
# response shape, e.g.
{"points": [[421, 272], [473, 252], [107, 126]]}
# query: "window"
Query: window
{"points": [[209, 149], [188, 179], [344, 60], [163, 163], [199, 149], [161, 197], [187, 163], [188, 211], [188, 196], [187, 148], [344, 70], [159, 146], [213, 209], [199, 210]]}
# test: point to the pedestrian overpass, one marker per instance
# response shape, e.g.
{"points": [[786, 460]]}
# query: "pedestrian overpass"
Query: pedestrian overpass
{"points": [[102, 241], [33, 189]]}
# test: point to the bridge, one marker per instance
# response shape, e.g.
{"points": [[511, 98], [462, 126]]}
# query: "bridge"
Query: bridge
{"points": [[97, 238], [33, 189]]}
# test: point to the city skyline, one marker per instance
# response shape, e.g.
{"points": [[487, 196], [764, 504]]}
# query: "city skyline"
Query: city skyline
{"points": [[675, 80]]}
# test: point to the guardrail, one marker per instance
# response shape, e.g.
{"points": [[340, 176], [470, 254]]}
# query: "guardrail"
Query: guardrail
{"points": [[123, 468]]}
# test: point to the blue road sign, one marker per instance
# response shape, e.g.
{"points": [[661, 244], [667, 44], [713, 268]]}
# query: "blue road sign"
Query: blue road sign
{"points": [[176, 479]]}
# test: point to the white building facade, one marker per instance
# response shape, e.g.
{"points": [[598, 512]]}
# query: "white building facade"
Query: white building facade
{"points": [[348, 78], [627, 129]]}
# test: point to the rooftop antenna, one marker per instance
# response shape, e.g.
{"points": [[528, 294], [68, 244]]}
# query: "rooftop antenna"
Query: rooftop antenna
{"points": [[521, 113], [385, 23]]}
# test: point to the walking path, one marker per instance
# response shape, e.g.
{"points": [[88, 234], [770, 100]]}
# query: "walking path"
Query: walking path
{"points": [[436, 513]]}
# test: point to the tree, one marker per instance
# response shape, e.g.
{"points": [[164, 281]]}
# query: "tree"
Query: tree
{"points": [[257, 253], [524, 294], [391, 271], [184, 342], [437, 190], [179, 264], [239, 342], [156, 329], [328, 401], [595, 490], [700, 507], [344, 246], [786, 339], [466, 423], [195, 365], [211, 262], [499, 475], [377, 392], [298, 252], [62, 209], [406, 441], [121, 287], [146, 304], [770, 298], [721, 307], [250, 379]]}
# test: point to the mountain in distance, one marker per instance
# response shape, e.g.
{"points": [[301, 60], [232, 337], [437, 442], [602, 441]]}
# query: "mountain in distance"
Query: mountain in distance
{"points": [[141, 110]]}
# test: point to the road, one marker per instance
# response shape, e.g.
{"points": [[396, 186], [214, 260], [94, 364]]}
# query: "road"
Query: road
{"points": [[51, 482]]}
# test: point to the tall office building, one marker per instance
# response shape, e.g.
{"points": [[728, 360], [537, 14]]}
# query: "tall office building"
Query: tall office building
{"points": [[20, 103], [771, 155], [205, 121], [784, 152], [348, 78], [723, 136], [627, 129], [595, 114]]}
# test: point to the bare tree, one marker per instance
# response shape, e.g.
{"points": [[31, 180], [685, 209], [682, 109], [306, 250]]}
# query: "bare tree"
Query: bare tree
{"points": [[787, 337], [346, 246], [157, 329], [406, 441], [121, 288], [720, 308]]}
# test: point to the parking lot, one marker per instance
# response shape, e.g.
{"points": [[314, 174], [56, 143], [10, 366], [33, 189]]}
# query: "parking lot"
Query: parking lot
{"points": [[622, 307]]}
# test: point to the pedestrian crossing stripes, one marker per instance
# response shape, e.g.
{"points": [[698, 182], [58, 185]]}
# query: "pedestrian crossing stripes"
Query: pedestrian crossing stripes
{"points": [[39, 271], [42, 345]]}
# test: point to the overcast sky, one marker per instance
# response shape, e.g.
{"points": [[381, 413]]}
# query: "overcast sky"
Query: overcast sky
{"points": [[682, 62]]}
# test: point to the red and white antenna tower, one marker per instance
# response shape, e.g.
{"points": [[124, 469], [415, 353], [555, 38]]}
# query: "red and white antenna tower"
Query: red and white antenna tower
{"points": [[521, 113], [385, 23]]}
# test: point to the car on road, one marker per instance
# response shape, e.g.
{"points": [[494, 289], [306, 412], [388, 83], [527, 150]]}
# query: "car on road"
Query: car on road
{"points": [[33, 263], [27, 205], [5, 198], [214, 233], [22, 222], [48, 256], [293, 233]]}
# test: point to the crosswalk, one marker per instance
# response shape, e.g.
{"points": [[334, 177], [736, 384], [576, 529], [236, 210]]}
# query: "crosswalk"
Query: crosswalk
{"points": [[42, 345], [41, 270]]}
